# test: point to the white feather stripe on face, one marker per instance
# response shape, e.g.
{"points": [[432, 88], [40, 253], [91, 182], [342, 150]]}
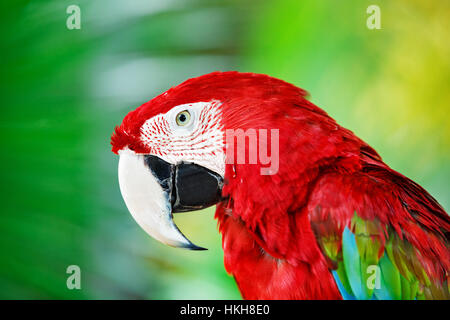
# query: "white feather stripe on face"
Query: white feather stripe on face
{"points": [[147, 202], [201, 141]]}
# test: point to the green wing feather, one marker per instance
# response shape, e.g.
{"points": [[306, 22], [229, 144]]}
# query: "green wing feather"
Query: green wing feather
{"points": [[368, 264]]}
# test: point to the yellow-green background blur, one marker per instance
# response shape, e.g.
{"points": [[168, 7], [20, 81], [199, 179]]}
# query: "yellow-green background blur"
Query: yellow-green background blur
{"points": [[63, 91]]}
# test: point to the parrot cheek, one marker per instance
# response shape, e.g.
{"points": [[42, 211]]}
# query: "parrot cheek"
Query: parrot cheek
{"points": [[153, 189]]}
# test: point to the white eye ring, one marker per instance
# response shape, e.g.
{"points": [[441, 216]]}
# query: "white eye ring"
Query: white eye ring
{"points": [[191, 112], [183, 118]]}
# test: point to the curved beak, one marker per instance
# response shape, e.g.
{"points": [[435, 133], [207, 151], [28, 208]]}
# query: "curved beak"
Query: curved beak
{"points": [[154, 189]]}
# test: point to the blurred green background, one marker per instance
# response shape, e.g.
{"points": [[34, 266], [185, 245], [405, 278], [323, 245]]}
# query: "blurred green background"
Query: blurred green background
{"points": [[63, 91]]}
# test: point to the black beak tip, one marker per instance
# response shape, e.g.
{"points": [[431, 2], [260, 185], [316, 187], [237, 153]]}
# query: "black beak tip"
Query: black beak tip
{"points": [[192, 246]]}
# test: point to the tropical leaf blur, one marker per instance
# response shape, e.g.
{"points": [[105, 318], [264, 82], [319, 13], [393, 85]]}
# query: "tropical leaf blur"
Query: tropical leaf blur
{"points": [[63, 91]]}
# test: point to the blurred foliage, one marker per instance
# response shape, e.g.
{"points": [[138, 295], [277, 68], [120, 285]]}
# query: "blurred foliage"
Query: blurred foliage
{"points": [[64, 90]]}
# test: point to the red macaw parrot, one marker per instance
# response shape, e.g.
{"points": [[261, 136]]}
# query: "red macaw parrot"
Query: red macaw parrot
{"points": [[328, 220]]}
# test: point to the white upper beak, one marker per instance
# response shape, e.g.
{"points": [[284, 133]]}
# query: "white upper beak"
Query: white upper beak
{"points": [[147, 202]]}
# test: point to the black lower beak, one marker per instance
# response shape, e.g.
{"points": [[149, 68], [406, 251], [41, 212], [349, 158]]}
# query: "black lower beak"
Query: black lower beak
{"points": [[190, 186]]}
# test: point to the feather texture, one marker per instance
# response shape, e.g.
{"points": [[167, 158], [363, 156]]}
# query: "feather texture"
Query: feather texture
{"points": [[333, 211]]}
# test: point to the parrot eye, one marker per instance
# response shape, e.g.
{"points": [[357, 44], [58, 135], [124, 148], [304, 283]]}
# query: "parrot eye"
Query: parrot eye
{"points": [[183, 118]]}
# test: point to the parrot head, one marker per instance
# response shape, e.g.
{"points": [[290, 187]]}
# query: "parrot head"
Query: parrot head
{"points": [[173, 149]]}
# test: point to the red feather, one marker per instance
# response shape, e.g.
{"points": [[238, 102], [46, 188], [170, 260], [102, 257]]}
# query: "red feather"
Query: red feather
{"points": [[325, 174]]}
